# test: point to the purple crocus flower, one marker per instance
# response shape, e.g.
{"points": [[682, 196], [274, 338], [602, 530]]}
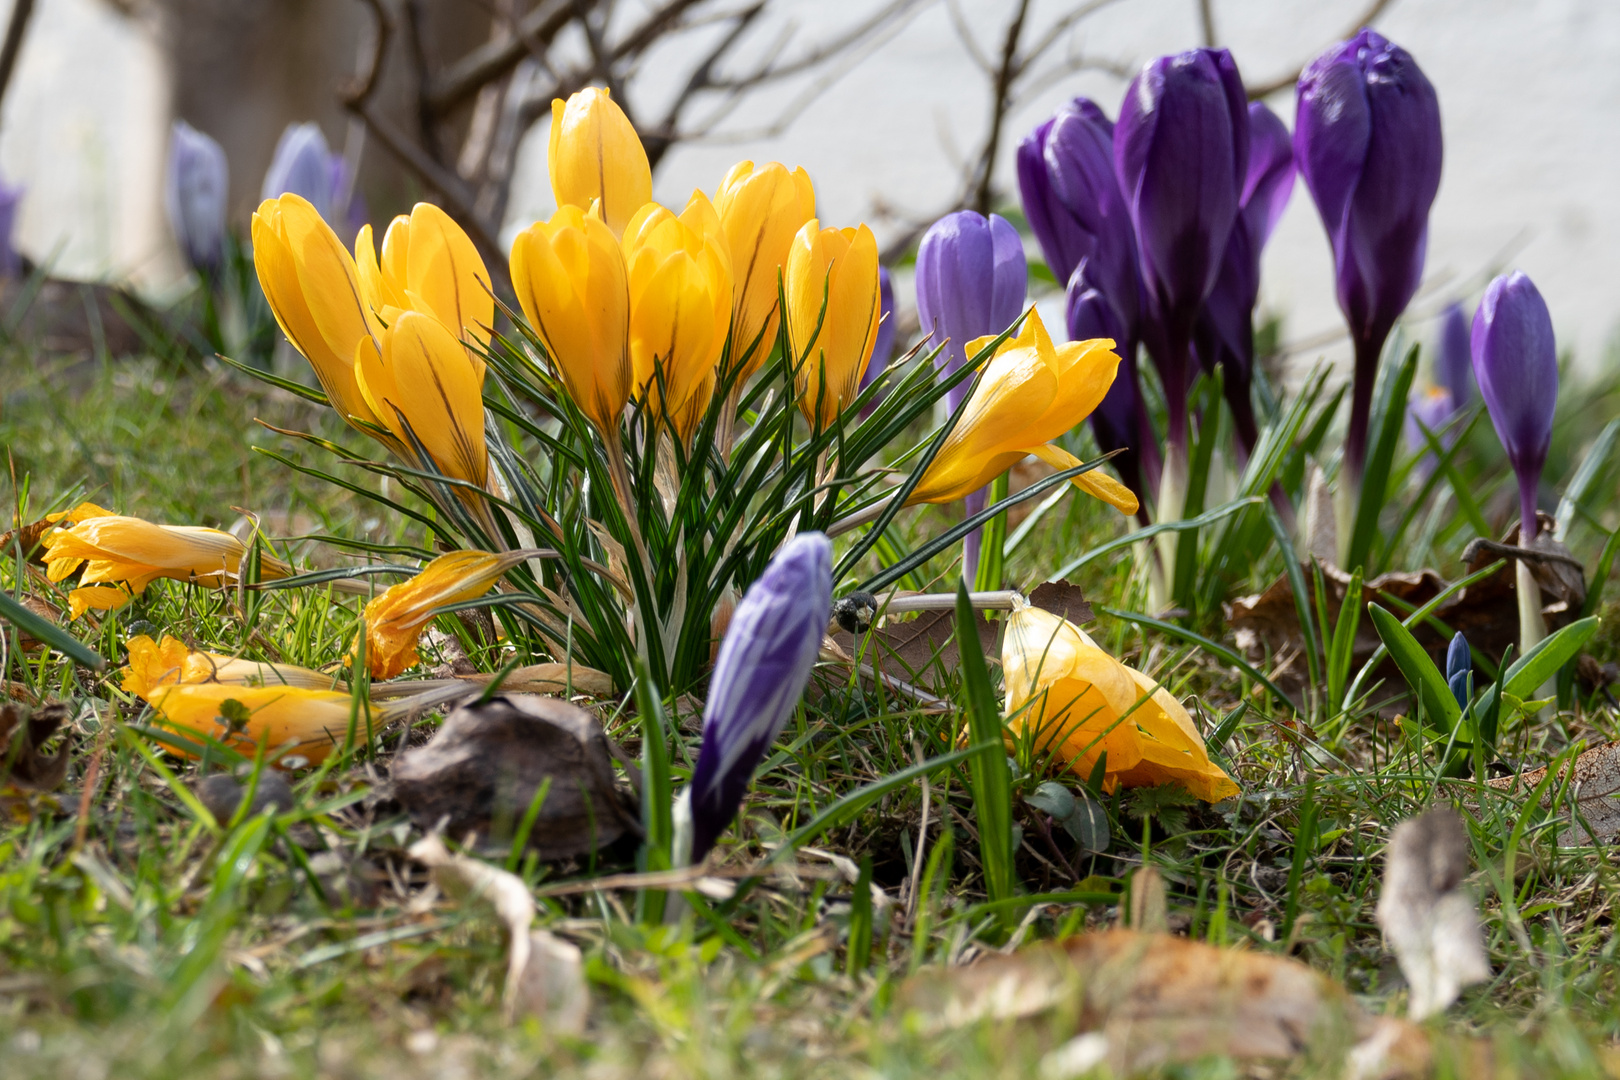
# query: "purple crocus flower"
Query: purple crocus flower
{"points": [[1181, 153], [1225, 331], [305, 165], [1454, 363], [1432, 409], [1121, 421], [1516, 365], [10, 200], [1367, 138], [764, 663], [971, 278], [194, 195], [884, 346]]}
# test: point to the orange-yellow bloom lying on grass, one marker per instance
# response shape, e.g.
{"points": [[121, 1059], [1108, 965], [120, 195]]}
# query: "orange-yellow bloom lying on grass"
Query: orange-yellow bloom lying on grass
{"points": [[569, 275], [679, 274], [1030, 393], [835, 269], [1075, 702], [395, 619], [429, 264], [154, 664], [761, 210], [293, 722], [596, 157], [128, 551]]}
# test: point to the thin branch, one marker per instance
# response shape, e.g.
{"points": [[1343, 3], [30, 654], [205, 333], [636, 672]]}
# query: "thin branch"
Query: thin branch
{"points": [[658, 141], [1062, 26], [1206, 21], [21, 12], [855, 35], [361, 87], [998, 115], [464, 78], [1282, 82], [965, 35]]}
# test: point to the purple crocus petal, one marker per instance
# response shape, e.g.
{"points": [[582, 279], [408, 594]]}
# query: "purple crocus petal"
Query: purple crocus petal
{"points": [[971, 278], [1270, 180], [1432, 409], [883, 347], [1091, 314], [302, 165], [1063, 240], [1516, 366], [1332, 128], [1454, 363], [10, 201], [195, 190], [759, 676]]}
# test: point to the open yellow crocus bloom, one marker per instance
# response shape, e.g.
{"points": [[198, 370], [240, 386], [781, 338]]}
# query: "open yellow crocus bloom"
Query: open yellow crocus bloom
{"points": [[761, 210], [835, 269], [394, 620], [1075, 702], [1030, 394], [154, 664], [595, 156]]}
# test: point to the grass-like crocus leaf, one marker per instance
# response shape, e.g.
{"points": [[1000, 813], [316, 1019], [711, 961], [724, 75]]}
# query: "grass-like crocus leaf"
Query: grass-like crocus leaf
{"points": [[1542, 662], [1439, 706], [1214, 648], [987, 772], [1389, 411], [42, 629]]}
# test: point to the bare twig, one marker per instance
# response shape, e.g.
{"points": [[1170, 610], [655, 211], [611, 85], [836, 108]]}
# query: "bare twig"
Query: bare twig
{"points": [[1282, 82], [659, 140], [769, 71], [21, 12], [464, 78], [1206, 21], [360, 89], [998, 115]]}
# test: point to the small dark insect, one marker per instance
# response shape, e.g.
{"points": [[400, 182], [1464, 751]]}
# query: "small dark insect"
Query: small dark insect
{"points": [[855, 612]]}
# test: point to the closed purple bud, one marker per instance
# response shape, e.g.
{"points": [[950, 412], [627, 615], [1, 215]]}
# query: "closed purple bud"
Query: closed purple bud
{"points": [[884, 346], [304, 165], [1454, 362], [1516, 366], [1115, 422], [1270, 180], [759, 676], [971, 278], [10, 200], [194, 195], [1367, 141]]}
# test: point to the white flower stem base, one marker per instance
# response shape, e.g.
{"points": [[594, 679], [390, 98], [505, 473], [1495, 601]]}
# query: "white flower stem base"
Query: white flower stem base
{"points": [[1172, 498], [1532, 627]]}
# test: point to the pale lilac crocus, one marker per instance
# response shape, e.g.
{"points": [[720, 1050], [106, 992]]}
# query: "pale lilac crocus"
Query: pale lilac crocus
{"points": [[195, 191], [1516, 366]]}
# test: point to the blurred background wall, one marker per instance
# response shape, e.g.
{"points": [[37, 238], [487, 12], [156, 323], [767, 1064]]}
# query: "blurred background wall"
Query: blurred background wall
{"points": [[1530, 95]]}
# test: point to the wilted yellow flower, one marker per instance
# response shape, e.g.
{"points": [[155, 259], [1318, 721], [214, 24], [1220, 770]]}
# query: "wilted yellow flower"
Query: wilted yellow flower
{"points": [[423, 380], [134, 553], [1075, 702], [395, 619], [1030, 394], [314, 289], [835, 269], [155, 664], [679, 275], [569, 275], [761, 210], [429, 264], [305, 723], [596, 157]]}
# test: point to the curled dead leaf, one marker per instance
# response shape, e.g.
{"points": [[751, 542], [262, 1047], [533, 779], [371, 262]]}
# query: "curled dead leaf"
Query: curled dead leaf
{"points": [[1594, 782], [1063, 599], [22, 734], [1429, 922]]}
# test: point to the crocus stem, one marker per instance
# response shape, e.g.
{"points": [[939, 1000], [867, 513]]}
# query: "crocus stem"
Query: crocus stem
{"points": [[1532, 627], [1173, 478], [1361, 392]]}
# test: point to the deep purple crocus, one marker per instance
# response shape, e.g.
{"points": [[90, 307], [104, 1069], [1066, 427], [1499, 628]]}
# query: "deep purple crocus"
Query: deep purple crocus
{"points": [[759, 676], [1121, 421], [1367, 139], [1181, 153], [11, 264], [194, 195], [1516, 366], [884, 346], [1454, 362], [1225, 331]]}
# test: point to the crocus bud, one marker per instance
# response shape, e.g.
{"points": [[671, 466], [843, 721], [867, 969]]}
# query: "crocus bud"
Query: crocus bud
{"points": [[595, 156], [1431, 409], [194, 194], [762, 209], [428, 264], [1454, 362], [10, 199], [570, 278], [1458, 666], [765, 660], [298, 725], [971, 278], [1516, 366], [155, 664], [1367, 139], [1181, 152], [831, 284], [303, 164]]}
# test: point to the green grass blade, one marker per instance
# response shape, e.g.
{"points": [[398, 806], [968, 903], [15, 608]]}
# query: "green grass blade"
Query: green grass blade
{"points": [[42, 629], [1389, 412], [1214, 648], [1421, 674]]}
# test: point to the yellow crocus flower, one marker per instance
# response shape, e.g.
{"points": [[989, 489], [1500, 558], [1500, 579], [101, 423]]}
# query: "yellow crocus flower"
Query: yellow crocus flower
{"points": [[569, 276], [127, 551], [596, 157], [394, 620], [154, 664], [1075, 702], [423, 382], [314, 289], [679, 274], [429, 264], [1030, 394], [838, 269], [293, 721], [761, 209]]}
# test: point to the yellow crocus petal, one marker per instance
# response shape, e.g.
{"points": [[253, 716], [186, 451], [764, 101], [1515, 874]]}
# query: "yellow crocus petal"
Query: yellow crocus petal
{"points": [[1075, 702], [395, 619], [761, 210], [596, 156], [83, 512], [156, 664], [1095, 483], [423, 384], [96, 598], [679, 279], [377, 288], [431, 265], [831, 286], [569, 275], [304, 723], [152, 664], [133, 552]]}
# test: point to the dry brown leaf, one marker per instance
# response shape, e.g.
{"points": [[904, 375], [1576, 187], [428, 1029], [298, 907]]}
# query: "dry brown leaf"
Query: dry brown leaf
{"points": [[1159, 999], [482, 769], [553, 679], [1428, 921], [22, 733], [1063, 599], [1150, 912], [25, 538], [1593, 784], [552, 985], [919, 650]]}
